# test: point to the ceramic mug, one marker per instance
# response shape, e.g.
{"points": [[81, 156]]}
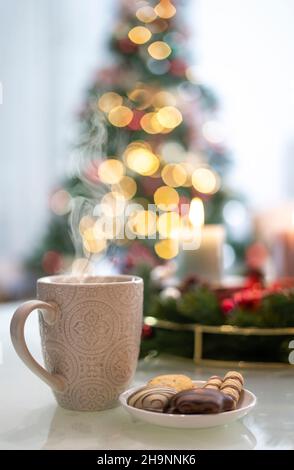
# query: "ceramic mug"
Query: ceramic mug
{"points": [[90, 333]]}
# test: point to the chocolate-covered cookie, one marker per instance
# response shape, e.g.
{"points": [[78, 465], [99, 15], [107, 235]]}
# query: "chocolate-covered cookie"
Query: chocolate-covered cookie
{"points": [[151, 398], [198, 401]]}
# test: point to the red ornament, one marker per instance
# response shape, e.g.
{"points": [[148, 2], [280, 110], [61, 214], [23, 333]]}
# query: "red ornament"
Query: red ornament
{"points": [[178, 67], [147, 332], [249, 298], [127, 46], [135, 122], [52, 262], [227, 305]]}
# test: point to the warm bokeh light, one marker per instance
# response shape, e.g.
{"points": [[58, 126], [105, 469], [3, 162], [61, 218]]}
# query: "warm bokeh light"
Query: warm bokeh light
{"points": [[165, 9], [150, 124], [60, 202], [169, 117], [142, 161], [163, 98], [168, 224], [166, 198], [109, 228], [174, 175], [196, 212], [127, 187], [146, 14], [167, 249], [108, 101], [143, 223], [141, 96], [205, 180], [159, 50], [139, 35], [112, 204], [120, 116], [95, 245], [86, 222], [111, 171]]}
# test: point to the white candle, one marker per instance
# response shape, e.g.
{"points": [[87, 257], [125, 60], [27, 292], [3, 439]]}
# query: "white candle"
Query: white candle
{"points": [[206, 261]]}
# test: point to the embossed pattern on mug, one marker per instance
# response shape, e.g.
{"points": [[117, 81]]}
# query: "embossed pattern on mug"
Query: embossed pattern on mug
{"points": [[95, 341]]}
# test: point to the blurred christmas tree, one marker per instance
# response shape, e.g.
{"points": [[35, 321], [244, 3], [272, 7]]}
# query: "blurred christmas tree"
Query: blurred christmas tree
{"points": [[163, 145]]}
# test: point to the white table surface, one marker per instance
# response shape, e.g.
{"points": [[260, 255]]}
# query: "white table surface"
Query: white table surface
{"points": [[30, 418]]}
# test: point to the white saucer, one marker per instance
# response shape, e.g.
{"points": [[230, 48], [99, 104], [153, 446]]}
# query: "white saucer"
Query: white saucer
{"points": [[246, 404]]}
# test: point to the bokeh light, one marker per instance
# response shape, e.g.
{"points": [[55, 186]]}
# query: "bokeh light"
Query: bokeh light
{"points": [[166, 198], [146, 14], [174, 175], [196, 212], [159, 50], [86, 222], [142, 161], [167, 249], [94, 246], [165, 9], [127, 187], [120, 116], [143, 223], [163, 98], [205, 180], [108, 101], [111, 171], [168, 224], [60, 202], [142, 97], [169, 117], [139, 35], [150, 124], [213, 132], [113, 204]]}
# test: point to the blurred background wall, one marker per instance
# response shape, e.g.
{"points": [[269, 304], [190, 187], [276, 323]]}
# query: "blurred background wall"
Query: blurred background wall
{"points": [[49, 50]]}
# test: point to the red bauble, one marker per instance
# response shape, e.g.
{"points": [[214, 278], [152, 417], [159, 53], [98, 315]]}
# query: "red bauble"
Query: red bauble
{"points": [[227, 305], [249, 298], [135, 122], [147, 332], [178, 67], [127, 46]]}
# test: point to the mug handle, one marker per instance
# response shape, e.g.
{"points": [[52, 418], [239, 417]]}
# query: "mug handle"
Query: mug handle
{"points": [[17, 325]]}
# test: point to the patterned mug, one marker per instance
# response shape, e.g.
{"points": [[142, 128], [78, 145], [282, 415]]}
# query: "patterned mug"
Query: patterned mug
{"points": [[90, 333]]}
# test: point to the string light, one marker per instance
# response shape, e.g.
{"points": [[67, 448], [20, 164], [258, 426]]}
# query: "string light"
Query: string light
{"points": [[205, 180], [167, 249], [166, 198], [139, 35], [111, 171], [159, 50], [120, 116], [168, 224], [150, 123], [142, 161], [174, 175], [146, 14], [169, 117], [165, 9], [127, 187], [196, 212], [108, 101]]}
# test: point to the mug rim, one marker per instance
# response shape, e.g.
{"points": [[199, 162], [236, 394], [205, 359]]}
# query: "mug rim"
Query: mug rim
{"points": [[126, 279]]}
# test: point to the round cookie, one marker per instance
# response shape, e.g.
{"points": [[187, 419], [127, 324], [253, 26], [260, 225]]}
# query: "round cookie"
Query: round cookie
{"points": [[213, 382], [232, 374], [176, 381], [233, 384], [151, 398]]}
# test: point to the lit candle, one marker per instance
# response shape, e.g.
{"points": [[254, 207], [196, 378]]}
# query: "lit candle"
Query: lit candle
{"points": [[202, 255]]}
